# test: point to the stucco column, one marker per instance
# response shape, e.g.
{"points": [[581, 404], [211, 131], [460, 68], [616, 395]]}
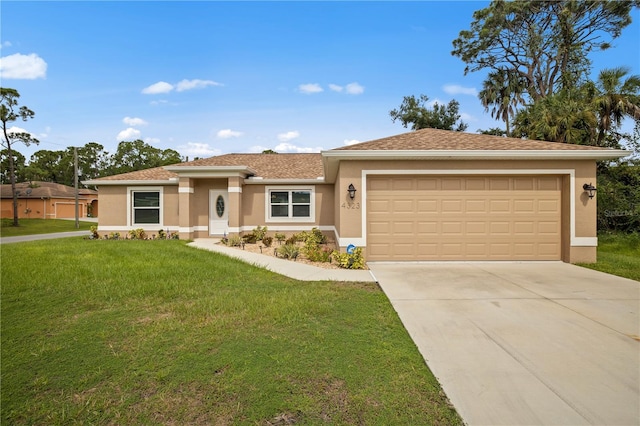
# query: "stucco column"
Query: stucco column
{"points": [[235, 204], [185, 193]]}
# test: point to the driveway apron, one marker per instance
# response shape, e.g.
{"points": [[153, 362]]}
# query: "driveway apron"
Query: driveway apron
{"points": [[544, 343]]}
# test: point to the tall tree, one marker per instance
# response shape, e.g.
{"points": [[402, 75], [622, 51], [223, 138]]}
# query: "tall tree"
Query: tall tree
{"points": [[567, 116], [547, 43], [504, 91], [138, 155], [5, 168], [415, 111], [10, 112], [616, 99]]}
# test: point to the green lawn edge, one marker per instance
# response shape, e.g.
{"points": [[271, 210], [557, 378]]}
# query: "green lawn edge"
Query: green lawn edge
{"points": [[40, 226], [155, 332]]}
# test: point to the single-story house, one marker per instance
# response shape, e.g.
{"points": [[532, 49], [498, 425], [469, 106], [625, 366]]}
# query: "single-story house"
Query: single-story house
{"points": [[48, 200], [423, 195]]}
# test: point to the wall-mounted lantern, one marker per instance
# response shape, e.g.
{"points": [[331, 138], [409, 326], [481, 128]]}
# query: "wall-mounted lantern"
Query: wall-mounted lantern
{"points": [[352, 191], [589, 189]]}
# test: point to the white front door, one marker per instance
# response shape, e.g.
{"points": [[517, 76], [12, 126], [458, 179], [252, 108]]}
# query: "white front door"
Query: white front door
{"points": [[218, 212]]}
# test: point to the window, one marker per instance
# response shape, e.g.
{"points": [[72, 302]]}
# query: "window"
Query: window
{"points": [[145, 206], [291, 204]]}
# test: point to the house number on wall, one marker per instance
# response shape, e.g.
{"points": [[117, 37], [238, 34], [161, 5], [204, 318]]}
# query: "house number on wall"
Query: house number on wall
{"points": [[351, 206]]}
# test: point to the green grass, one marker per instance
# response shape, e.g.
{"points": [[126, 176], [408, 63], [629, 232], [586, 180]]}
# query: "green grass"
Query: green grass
{"points": [[618, 254], [155, 332], [40, 226]]}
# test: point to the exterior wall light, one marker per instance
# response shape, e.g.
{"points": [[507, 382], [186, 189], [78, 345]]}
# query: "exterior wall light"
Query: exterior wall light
{"points": [[589, 189], [352, 191]]}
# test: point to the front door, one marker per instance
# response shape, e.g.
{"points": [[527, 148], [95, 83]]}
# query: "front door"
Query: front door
{"points": [[218, 212]]}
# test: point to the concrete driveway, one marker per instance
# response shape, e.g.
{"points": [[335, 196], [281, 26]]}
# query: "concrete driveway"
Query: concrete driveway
{"points": [[543, 343]]}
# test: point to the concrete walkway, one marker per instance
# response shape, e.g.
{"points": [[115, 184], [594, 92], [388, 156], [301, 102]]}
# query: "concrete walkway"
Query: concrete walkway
{"points": [[544, 343], [299, 271]]}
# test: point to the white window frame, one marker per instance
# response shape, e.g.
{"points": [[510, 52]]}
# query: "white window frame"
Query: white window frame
{"points": [[290, 189], [131, 210]]}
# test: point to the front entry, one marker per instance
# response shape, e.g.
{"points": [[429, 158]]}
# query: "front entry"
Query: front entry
{"points": [[218, 212]]}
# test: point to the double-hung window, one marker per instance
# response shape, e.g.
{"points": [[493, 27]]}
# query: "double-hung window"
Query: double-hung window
{"points": [[145, 206], [290, 204]]}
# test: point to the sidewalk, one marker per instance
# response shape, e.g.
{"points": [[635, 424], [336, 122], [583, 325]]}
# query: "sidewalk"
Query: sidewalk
{"points": [[299, 271]]}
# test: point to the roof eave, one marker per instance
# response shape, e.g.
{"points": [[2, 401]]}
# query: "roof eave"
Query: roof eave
{"points": [[482, 154], [331, 159], [212, 171], [292, 181], [140, 182]]}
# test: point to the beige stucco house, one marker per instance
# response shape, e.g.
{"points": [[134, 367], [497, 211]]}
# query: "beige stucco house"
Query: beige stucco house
{"points": [[48, 200], [423, 195]]}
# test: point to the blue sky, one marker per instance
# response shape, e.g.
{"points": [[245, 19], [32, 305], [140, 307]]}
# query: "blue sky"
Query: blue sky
{"points": [[208, 78]]}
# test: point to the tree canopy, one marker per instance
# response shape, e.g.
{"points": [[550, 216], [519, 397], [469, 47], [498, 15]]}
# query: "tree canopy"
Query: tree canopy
{"points": [[416, 112], [546, 43], [10, 111]]}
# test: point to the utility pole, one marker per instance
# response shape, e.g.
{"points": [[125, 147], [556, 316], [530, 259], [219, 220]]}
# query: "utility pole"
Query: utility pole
{"points": [[75, 178]]}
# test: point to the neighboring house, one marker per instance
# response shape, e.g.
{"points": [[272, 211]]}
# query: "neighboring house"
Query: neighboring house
{"points": [[48, 200], [424, 195]]}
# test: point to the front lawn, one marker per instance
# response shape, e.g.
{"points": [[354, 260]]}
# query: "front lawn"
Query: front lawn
{"points": [[618, 254], [40, 226], [155, 332]]}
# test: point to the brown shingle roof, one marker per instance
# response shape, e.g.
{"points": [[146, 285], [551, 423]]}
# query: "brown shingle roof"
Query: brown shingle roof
{"points": [[267, 166], [157, 173], [45, 189], [436, 139]]}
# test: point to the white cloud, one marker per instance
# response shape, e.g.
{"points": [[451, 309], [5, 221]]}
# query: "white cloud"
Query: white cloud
{"points": [[156, 88], [350, 89], [351, 141], [310, 88], [134, 121], [16, 129], [456, 89], [195, 84], [354, 89], [228, 133], [286, 137], [467, 117], [6, 44], [159, 102], [128, 134], [24, 67], [152, 141], [197, 149], [287, 147]]}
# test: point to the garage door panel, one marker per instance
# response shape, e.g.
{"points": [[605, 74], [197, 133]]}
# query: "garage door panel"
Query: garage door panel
{"points": [[458, 218]]}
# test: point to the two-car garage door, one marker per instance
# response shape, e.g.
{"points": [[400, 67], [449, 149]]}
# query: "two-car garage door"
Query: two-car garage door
{"points": [[463, 218]]}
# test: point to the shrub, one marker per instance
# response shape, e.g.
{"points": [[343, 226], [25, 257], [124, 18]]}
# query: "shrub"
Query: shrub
{"points": [[234, 241], [350, 260], [267, 241], [114, 236], [161, 234], [288, 251], [250, 238], [291, 241], [138, 234], [318, 254], [260, 232], [94, 233], [280, 237]]}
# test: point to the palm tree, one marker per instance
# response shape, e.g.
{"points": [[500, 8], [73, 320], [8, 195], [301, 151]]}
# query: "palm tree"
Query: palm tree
{"points": [[616, 99], [503, 89]]}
